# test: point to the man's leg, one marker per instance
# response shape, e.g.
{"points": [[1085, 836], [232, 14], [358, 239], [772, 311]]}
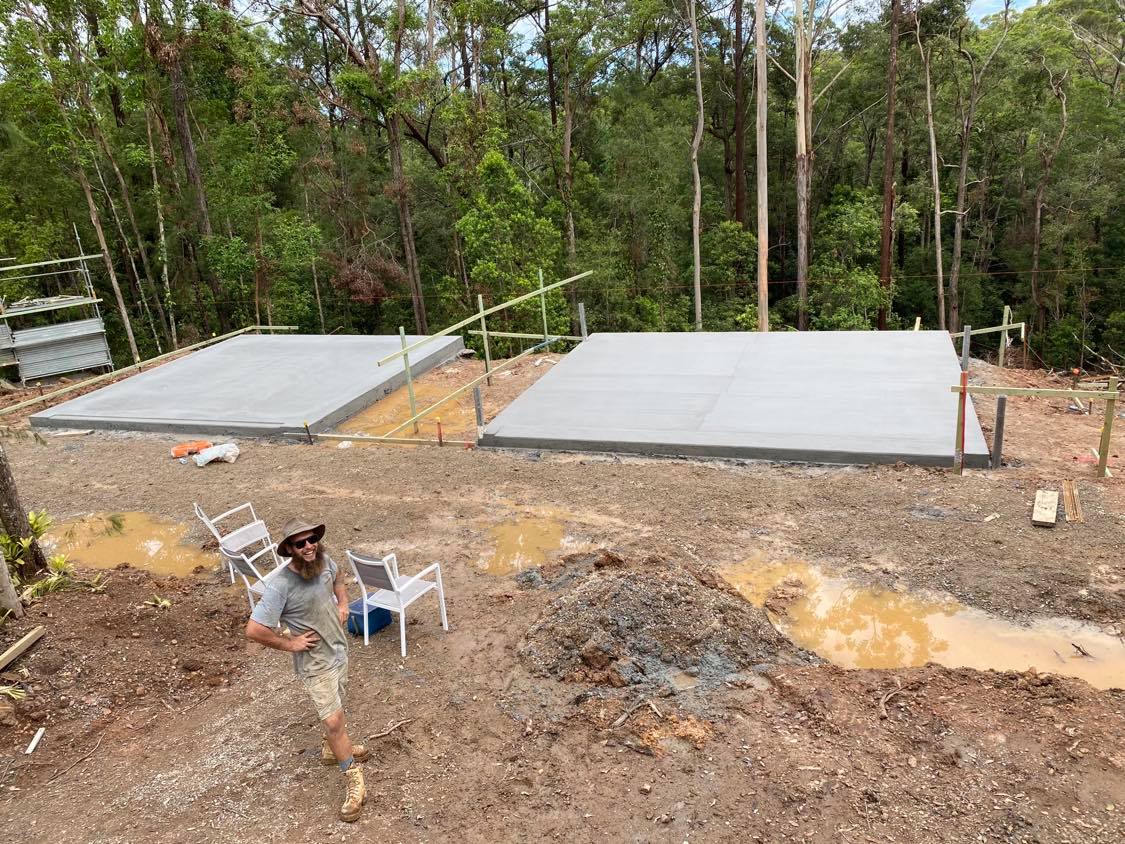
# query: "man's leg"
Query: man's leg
{"points": [[338, 740]]}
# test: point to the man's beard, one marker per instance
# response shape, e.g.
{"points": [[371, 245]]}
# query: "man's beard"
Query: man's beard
{"points": [[308, 569]]}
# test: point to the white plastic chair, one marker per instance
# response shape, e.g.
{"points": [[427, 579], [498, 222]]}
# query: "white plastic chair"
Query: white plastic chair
{"points": [[253, 533], [392, 591], [247, 567]]}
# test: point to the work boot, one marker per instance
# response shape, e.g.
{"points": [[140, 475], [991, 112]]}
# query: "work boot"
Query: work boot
{"points": [[327, 757], [356, 795]]}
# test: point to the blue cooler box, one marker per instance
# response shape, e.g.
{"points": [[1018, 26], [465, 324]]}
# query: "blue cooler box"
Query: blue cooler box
{"points": [[377, 618]]}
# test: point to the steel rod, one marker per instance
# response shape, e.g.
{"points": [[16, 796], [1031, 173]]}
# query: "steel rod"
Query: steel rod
{"points": [[1011, 326], [484, 334], [409, 378], [468, 386], [998, 431], [1033, 391], [494, 309], [55, 262], [516, 335]]}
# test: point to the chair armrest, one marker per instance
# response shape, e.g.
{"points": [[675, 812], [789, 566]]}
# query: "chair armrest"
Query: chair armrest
{"points": [[253, 557], [432, 567]]}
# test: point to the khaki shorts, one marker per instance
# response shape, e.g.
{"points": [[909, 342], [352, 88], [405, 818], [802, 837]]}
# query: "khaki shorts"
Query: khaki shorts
{"points": [[327, 690]]}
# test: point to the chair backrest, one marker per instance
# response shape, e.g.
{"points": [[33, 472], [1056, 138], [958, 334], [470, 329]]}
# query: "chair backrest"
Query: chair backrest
{"points": [[374, 573], [240, 563], [203, 517]]}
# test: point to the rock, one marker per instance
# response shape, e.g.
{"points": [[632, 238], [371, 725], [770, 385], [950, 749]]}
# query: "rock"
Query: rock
{"points": [[140, 691], [646, 788], [597, 655], [190, 664], [608, 559]]}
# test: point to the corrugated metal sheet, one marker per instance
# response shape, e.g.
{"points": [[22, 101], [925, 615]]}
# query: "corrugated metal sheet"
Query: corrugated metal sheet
{"points": [[7, 353], [66, 347]]}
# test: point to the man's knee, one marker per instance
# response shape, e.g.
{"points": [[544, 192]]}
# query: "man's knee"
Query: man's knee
{"points": [[334, 723]]}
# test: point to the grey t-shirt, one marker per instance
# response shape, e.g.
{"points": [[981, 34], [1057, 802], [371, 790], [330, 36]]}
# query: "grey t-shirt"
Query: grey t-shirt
{"points": [[304, 605]]}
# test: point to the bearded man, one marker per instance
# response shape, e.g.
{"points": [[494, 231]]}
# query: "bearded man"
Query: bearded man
{"points": [[301, 598]]}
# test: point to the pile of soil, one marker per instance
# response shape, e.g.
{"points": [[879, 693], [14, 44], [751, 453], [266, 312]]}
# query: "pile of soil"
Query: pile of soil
{"points": [[107, 653], [627, 625]]}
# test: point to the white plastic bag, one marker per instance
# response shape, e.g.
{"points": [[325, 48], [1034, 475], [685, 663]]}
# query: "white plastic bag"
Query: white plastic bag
{"points": [[227, 452]]}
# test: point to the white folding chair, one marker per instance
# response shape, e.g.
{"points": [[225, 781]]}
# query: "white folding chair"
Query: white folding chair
{"points": [[247, 567], [252, 533], [392, 591]]}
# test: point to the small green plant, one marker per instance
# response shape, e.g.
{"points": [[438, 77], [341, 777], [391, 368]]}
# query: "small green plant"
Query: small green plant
{"points": [[159, 603], [115, 524], [13, 692]]}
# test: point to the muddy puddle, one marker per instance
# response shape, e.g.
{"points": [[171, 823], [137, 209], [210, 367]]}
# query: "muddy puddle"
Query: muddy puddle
{"points": [[860, 627], [456, 415], [105, 540], [528, 542]]}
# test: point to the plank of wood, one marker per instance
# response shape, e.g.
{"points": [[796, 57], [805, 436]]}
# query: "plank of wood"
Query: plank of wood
{"points": [[17, 650], [1046, 508], [978, 390], [1072, 503]]}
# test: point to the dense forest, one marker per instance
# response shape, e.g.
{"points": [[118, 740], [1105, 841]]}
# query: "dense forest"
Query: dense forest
{"points": [[356, 165]]}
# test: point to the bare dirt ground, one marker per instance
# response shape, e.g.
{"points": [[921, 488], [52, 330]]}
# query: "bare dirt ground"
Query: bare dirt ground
{"points": [[625, 696]]}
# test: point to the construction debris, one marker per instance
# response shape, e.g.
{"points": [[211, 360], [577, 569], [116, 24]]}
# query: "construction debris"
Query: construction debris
{"points": [[35, 741], [1071, 502], [1046, 509], [17, 650]]}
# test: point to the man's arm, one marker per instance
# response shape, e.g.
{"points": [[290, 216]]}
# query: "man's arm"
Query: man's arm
{"points": [[341, 592], [263, 635]]}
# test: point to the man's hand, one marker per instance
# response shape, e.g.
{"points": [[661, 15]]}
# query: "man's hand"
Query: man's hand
{"points": [[305, 642], [342, 612]]}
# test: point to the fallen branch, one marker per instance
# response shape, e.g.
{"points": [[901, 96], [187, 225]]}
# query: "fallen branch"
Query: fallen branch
{"points": [[390, 729], [92, 751], [624, 716], [1082, 651], [885, 699]]}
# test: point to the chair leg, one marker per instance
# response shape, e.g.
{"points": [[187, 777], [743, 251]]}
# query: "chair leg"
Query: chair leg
{"points": [[441, 602], [366, 635], [402, 631]]}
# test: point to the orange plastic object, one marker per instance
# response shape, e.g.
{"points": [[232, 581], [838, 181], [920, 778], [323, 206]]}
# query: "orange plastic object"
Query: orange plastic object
{"points": [[194, 447]]}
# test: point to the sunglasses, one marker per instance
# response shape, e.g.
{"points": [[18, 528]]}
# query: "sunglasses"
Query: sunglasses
{"points": [[298, 544]]}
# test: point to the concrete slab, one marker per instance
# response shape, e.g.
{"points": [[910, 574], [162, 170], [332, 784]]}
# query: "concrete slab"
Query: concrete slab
{"points": [[253, 386], [822, 397]]}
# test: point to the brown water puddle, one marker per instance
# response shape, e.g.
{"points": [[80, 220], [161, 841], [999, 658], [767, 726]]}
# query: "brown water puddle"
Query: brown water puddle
{"points": [[105, 540], [527, 541], [456, 415], [860, 627]]}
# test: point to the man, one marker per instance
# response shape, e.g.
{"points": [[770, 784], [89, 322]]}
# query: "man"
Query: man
{"points": [[300, 597]]}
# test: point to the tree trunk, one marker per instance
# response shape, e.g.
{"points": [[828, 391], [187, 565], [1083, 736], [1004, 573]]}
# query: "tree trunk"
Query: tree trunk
{"points": [[126, 200], [96, 221], [935, 180], [13, 517], [889, 170], [696, 140], [738, 57], [959, 214], [161, 242], [128, 255], [552, 98], [187, 143], [1040, 191], [804, 161], [406, 224], [762, 167], [10, 603]]}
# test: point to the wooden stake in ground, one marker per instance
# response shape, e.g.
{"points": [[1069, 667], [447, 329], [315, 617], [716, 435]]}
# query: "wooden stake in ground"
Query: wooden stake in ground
{"points": [[1046, 509]]}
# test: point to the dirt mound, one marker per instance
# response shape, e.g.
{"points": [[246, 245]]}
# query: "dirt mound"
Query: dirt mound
{"points": [[111, 652], [654, 622]]}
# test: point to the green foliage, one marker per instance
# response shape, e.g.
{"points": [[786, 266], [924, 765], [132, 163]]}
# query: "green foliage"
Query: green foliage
{"points": [[290, 129], [1113, 337]]}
